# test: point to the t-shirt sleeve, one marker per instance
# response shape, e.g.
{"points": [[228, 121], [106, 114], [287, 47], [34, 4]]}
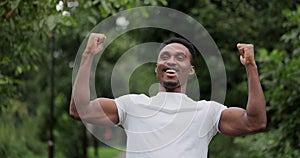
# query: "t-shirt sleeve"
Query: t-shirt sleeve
{"points": [[212, 117], [127, 104], [218, 115], [121, 105]]}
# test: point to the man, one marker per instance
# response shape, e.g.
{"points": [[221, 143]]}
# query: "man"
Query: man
{"points": [[169, 124]]}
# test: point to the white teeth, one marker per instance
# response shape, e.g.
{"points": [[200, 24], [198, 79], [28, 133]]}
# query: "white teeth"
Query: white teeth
{"points": [[171, 71]]}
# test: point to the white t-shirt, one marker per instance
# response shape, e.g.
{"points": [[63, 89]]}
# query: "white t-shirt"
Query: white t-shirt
{"points": [[168, 125]]}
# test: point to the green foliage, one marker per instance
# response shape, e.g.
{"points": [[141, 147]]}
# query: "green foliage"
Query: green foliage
{"points": [[18, 132], [281, 90], [20, 54], [283, 87], [27, 28], [103, 152], [278, 64], [281, 80], [217, 148]]}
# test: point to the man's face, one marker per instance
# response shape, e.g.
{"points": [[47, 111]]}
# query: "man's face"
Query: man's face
{"points": [[174, 66]]}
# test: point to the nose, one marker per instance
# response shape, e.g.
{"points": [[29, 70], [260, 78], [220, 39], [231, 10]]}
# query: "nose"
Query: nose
{"points": [[171, 62]]}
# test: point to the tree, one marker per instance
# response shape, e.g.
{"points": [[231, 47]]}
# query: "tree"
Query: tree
{"points": [[282, 89], [26, 29], [260, 23], [25, 58]]}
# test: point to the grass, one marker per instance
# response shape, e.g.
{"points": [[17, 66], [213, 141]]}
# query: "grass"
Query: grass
{"points": [[103, 152]]}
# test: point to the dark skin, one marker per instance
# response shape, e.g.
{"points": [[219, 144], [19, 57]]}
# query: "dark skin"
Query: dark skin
{"points": [[174, 57], [173, 67]]}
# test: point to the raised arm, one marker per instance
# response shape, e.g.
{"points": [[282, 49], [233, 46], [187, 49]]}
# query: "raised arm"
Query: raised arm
{"points": [[238, 121], [101, 111]]}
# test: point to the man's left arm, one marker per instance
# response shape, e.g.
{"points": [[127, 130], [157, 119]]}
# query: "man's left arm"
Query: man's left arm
{"points": [[237, 121]]}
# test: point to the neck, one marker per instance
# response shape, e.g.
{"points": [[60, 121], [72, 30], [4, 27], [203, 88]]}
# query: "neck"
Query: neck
{"points": [[180, 89]]}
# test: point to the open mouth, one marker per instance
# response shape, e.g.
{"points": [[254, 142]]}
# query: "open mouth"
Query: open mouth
{"points": [[168, 69], [171, 72]]}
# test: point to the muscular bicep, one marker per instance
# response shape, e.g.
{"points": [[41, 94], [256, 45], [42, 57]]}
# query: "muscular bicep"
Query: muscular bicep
{"points": [[110, 109], [101, 111], [234, 122]]}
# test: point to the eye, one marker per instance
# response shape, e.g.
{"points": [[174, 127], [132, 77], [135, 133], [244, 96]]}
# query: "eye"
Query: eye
{"points": [[180, 57], [164, 56]]}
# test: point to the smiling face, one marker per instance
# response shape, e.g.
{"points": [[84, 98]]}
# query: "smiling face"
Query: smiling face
{"points": [[173, 68]]}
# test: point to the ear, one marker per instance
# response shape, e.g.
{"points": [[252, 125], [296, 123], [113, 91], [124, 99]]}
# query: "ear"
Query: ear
{"points": [[192, 70], [155, 70]]}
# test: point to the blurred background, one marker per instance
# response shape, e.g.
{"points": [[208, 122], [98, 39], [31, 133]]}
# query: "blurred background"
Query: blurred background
{"points": [[40, 39]]}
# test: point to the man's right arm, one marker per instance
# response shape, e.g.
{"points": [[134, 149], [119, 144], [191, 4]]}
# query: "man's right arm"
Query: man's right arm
{"points": [[101, 111]]}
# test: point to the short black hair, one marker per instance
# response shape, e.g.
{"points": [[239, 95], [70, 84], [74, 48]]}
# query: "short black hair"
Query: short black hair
{"points": [[184, 42]]}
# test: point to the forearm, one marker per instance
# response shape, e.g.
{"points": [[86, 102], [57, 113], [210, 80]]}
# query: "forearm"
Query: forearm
{"points": [[81, 88], [238, 121], [256, 106], [99, 111]]}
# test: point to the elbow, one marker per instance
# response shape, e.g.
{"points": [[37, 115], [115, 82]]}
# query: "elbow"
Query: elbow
{"points": [[258, 127], [74, 115], [261, 127], [264, 125], [73, 111]]}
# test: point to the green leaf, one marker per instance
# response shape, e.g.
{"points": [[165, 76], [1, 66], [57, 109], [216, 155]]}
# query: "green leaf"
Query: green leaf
{"points": [[51, 22], [164, 2], [92, 20], [41, 23], [116, 4], [104, 12], [123, 2], [15, 4], [3, 81], [5, 60], [19, 70]]}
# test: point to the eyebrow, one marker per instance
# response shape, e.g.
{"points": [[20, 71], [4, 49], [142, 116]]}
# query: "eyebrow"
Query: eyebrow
{"points": [[180, 53], [177, 53]]}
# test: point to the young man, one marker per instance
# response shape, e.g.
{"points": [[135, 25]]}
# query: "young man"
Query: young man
{"points": [[169, 124]]}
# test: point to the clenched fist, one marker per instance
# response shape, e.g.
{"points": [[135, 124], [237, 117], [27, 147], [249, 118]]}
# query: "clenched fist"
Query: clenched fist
{"points": [[246, 54], [95, 43]]}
